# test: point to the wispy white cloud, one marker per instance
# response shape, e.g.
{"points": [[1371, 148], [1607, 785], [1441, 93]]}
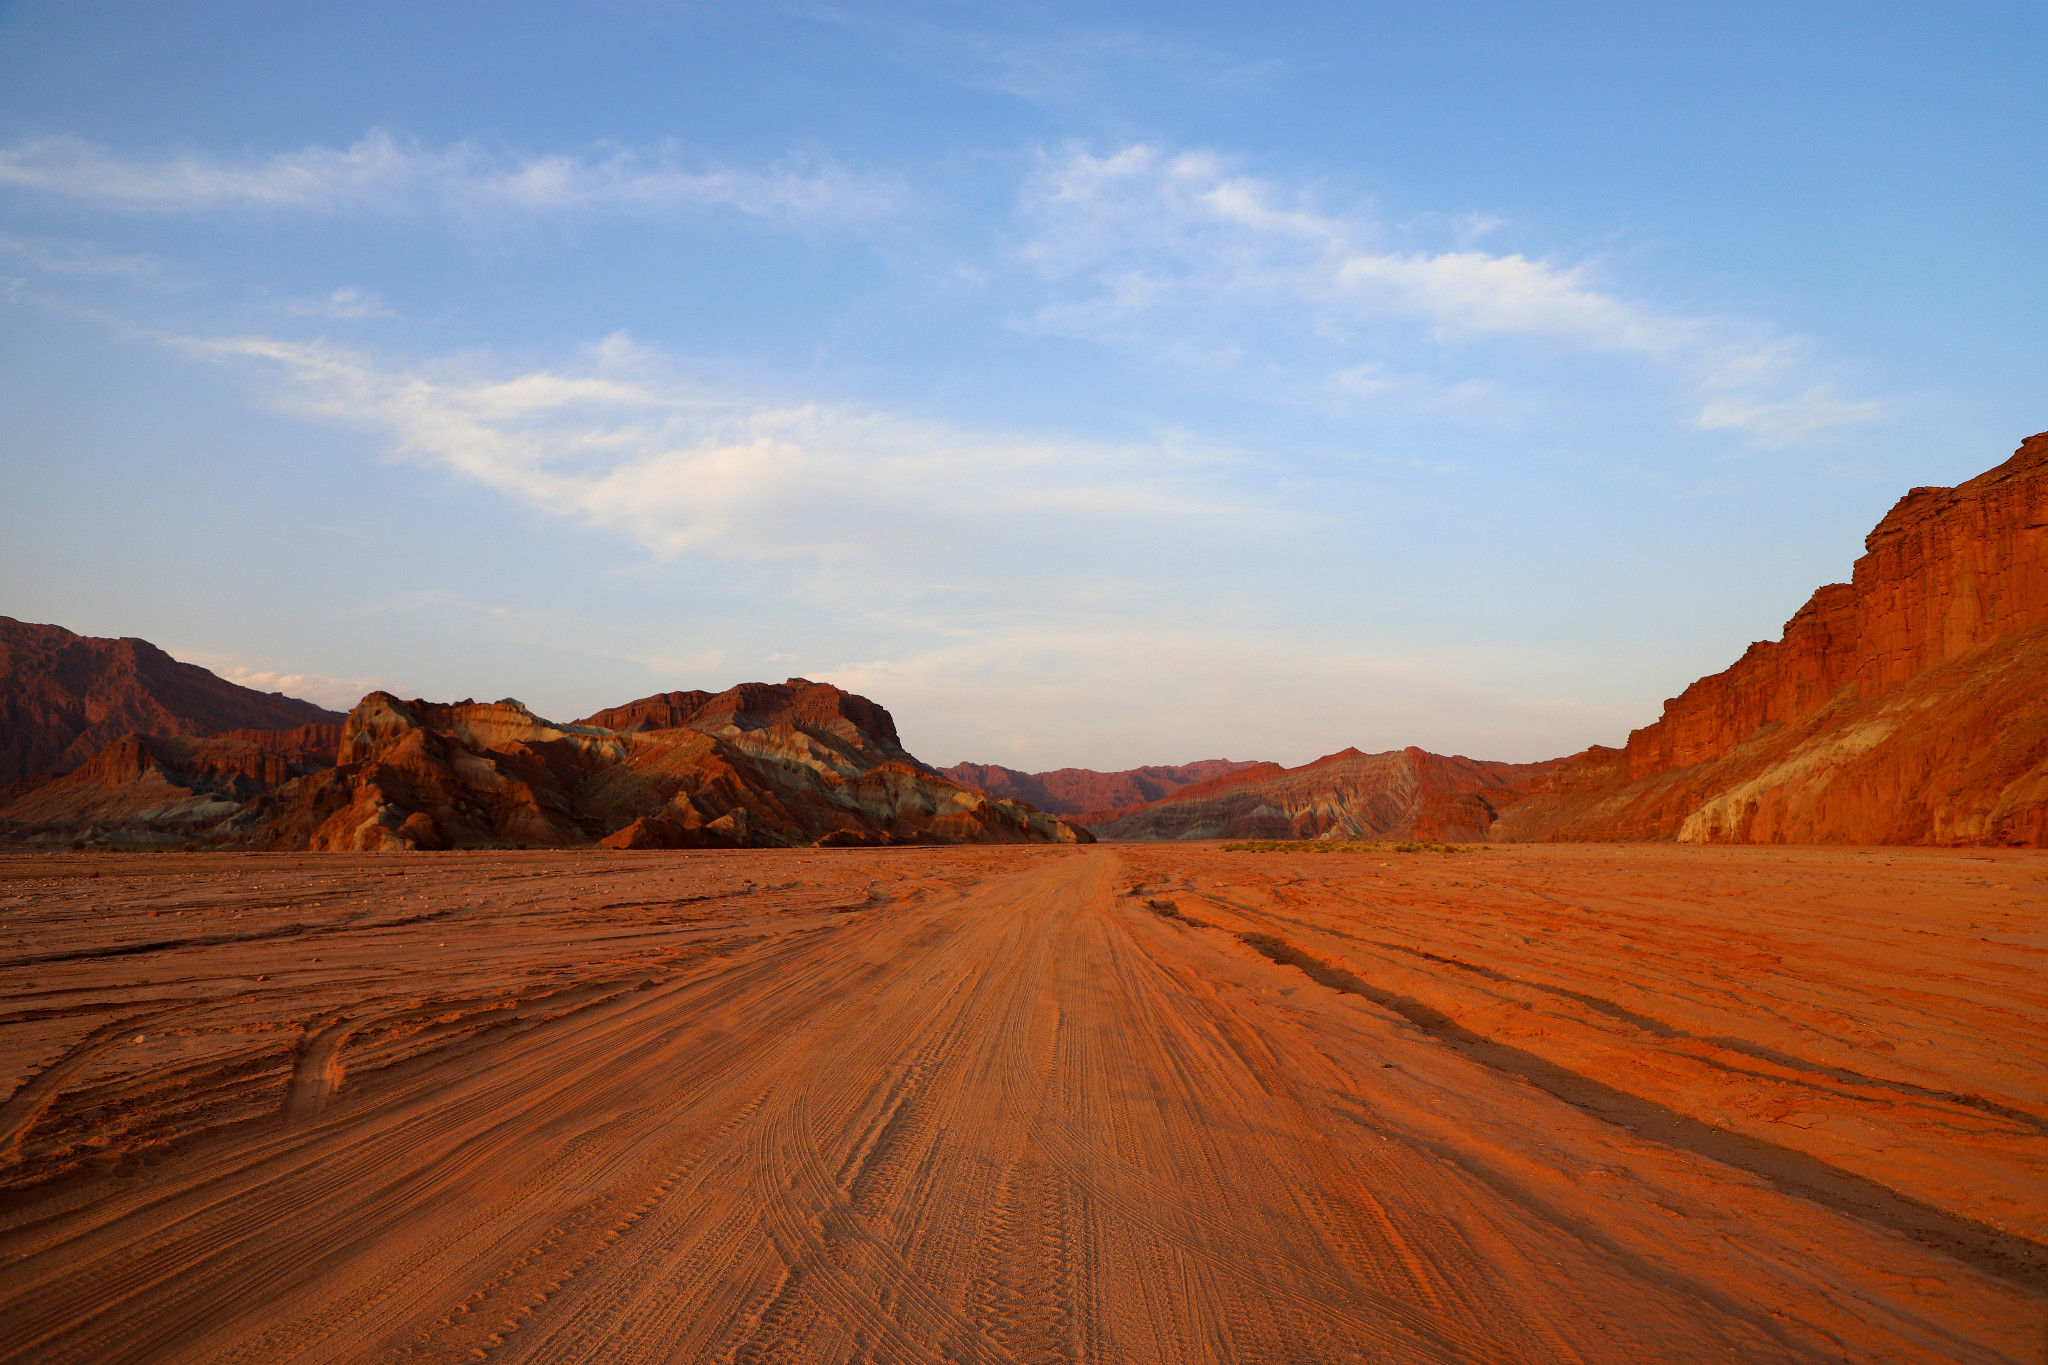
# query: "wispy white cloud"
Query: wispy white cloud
{"points": [[620, 441], [384, 173], [61, 257], [1184, 253], [347, 304], [1787, 419]]}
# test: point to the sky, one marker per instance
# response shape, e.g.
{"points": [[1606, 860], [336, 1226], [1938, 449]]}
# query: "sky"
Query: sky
{"points": [[1091, 385]]}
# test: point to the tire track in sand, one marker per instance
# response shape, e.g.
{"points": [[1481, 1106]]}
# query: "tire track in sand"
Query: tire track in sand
{"points": [[1016, 1121]]}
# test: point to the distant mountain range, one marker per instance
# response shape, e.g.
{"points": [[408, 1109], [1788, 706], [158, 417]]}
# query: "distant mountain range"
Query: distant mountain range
{"points": [[1085, 792], [1909, 705], [1403, 794]]}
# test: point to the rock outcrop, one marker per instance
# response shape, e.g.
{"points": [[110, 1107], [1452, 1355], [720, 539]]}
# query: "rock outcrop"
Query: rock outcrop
{"points": [[1083, 791], [1401, 794], [848, 722], [1909, 705], [65, 697], [759, 765]]}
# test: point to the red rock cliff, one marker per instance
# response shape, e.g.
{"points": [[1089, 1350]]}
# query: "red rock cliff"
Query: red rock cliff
{"points": [[1906, 705], [1948, 571], [818, 708]]}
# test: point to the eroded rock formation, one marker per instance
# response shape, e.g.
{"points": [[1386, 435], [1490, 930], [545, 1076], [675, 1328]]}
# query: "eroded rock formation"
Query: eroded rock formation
{"points": [[759, 765], [1909, 705], [166, 788], [65, 697]]}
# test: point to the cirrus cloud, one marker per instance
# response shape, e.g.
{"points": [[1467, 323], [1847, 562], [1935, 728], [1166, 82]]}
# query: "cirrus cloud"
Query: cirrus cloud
{"points": [[384, 173]]}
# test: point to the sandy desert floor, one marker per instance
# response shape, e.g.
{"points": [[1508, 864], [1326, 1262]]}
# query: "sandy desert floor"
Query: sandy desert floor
{"points": [[1124, 1103]]}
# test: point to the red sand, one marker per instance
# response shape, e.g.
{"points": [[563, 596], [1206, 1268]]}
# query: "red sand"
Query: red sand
{"points": [[1120, 1103]]}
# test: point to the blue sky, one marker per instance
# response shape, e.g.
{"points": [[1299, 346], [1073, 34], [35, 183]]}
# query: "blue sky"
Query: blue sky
{"points": [[1091, 385]]}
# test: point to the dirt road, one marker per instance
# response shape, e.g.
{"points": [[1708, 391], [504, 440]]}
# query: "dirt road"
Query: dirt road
{"points": [[1118, 1104]]}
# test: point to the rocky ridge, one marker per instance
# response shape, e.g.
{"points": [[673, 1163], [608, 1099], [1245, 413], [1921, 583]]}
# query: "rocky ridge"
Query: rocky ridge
{"points": [[1909, 705]]}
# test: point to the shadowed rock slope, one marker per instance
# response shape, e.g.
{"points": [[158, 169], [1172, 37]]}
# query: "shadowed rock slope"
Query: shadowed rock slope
{"points": [[1401, 794], [65, 697], [1906, 706], [1080, 791], [153, 789], [759, 765]]}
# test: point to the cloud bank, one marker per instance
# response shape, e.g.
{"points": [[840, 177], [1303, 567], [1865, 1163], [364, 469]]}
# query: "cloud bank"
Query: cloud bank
{"points": [[1080, 588]]}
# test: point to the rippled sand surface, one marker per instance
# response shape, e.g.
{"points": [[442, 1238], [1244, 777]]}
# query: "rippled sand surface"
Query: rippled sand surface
{"points": [[1122, 1103]]}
